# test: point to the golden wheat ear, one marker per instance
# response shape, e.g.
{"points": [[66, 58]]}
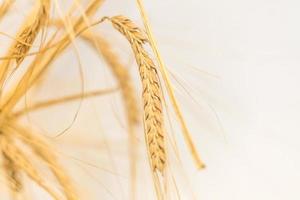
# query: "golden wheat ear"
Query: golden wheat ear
{"points": [[22, 163], [185, 131], [42, 150], [26, 36], [152, 99], [152, 94]]}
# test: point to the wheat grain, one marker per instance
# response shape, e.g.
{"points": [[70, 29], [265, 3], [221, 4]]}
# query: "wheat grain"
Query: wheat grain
{"points": [[152, 95]]}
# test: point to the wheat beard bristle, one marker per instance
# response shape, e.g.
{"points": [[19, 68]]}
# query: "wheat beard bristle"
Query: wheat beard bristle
{"points": [[152, 94]]}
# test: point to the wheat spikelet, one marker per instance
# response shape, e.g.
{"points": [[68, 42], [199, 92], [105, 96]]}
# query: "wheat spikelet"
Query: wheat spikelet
{"points": [[152, 95], [21, 162]]}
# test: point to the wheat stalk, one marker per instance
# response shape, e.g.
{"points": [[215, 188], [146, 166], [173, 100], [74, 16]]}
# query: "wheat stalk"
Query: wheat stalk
{"points": [[152, 94]]}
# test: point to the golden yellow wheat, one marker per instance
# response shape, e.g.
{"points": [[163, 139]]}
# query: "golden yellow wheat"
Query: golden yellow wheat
{"points": [[21, 161], [18, 141], [152, 95]]}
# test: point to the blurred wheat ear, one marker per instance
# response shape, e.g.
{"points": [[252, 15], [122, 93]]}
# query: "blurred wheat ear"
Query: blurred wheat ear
{"points": [[18, 141]]}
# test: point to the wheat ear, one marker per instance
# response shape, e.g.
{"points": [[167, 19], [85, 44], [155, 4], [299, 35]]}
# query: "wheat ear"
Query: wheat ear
{"points": [[152, 94], [26, 37], [30, 31], [186, 133], [42, 150], [20, 160]]}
